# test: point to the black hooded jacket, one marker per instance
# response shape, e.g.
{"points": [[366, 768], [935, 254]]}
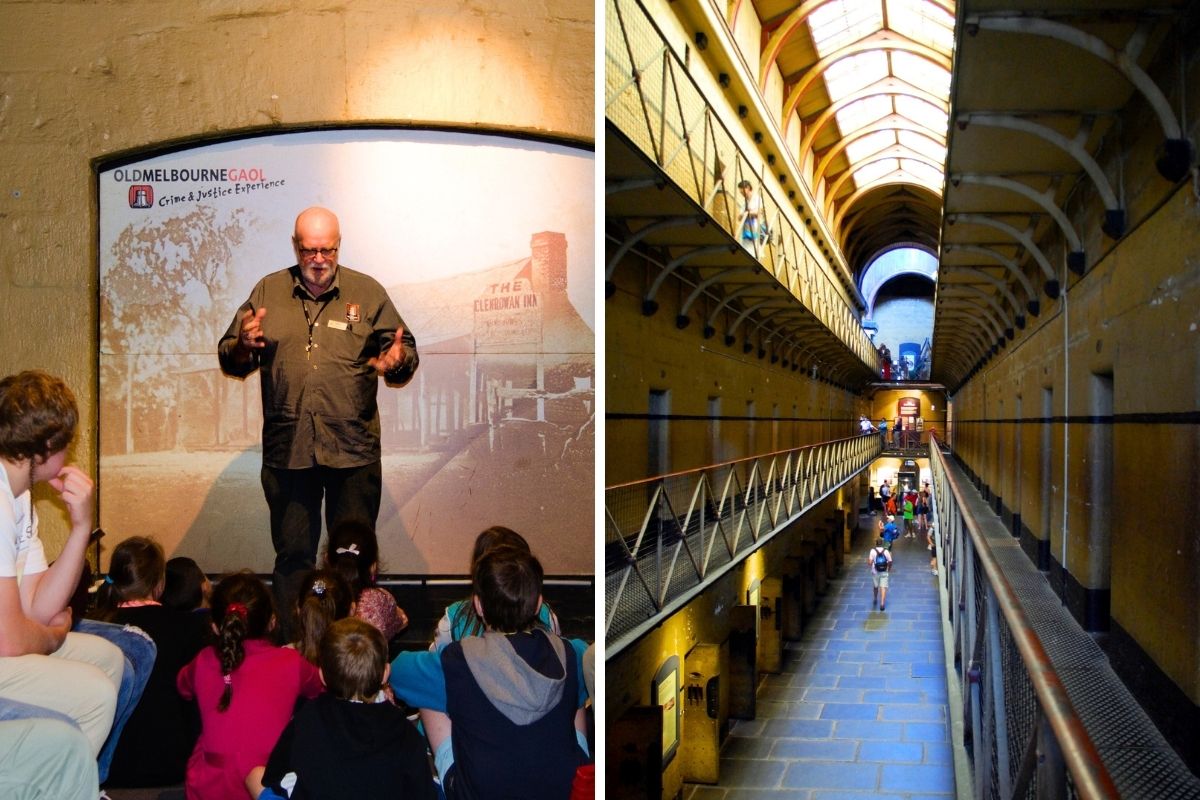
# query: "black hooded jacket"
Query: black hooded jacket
{"points": [[339, 749]]}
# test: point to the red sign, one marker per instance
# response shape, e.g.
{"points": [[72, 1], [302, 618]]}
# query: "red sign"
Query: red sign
{"points": [[909, 407]]}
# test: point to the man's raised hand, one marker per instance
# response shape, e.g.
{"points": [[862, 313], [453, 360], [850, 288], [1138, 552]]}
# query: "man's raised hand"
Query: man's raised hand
{"points": [[251, 337], [394, 357]]}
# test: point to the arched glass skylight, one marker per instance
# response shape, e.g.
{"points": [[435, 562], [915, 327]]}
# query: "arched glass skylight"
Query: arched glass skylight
{"points": [[860, 149], [927, 146], [863, 112], [920, 59], [852, 73], [842, 22]]}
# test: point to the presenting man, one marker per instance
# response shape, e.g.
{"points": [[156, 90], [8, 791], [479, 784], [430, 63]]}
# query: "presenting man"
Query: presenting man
{"points": [[320, 336]]}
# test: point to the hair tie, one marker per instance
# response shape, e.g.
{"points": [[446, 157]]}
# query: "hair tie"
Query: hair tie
{"points": [[352, 549], [108, 579], [318, 587], [239, 609], [228, 679]]}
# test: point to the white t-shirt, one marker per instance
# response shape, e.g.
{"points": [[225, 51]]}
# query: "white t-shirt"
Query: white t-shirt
{"points": [[875, 551], [21, 551]]}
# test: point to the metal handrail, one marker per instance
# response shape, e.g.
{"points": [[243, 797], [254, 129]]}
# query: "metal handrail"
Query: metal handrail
{"points": [[656, 103], [669, 537], [963, 545]]}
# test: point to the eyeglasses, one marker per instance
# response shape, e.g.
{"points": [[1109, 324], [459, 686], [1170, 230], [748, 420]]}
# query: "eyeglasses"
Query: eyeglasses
{"points": [[328, 253]]}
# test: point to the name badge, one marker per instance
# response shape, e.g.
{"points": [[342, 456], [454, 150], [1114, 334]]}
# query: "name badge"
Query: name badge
{"points": [[341, 326]]}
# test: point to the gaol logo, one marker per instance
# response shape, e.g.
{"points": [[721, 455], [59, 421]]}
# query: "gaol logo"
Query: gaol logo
{"points": [[141, 195]]}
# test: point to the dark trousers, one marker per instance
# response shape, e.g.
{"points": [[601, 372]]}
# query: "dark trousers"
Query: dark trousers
{"points": [[294, 498]]}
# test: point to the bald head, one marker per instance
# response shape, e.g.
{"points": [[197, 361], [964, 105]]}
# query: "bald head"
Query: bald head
{"points": [[317, 221], [317, 239]]}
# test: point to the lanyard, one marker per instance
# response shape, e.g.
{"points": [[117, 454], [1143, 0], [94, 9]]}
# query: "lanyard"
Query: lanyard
{"points": [[311, 321]]}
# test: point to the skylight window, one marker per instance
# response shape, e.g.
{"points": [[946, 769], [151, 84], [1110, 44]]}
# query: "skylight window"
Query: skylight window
{"points": [[863, 112], [874, 171], [848, 75], [923, 145], [922, 72], [842, 22], [861, 149], [925, 114], [923, 173], [922, 22]]}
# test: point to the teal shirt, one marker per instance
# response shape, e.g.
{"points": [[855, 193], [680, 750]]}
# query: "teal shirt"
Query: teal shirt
{"points": [[418, 680]]}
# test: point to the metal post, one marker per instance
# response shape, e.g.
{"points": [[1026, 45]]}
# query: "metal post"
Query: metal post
{"points": [[999, 709], [974, 712], [1051, 769], [970, 634]]}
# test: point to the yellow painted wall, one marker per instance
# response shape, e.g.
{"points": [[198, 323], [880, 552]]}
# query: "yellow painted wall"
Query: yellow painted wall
{"points": [[705, 620], [933, 407], [1136, 314], [651, 353], [81, 82]]}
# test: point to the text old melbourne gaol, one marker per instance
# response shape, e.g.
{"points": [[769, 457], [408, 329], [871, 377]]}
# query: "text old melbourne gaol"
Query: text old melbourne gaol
{"points": [[902, 373]]}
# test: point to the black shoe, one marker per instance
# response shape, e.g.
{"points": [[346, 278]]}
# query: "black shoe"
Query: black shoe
{"points": [[883, 608]]}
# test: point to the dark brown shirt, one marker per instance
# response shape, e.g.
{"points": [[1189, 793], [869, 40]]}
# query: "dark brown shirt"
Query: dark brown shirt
{"points": [[318, 391]]}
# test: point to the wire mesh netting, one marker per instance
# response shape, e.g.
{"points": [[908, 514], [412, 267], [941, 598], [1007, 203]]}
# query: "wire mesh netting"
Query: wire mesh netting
{"points": [[666, 538]]}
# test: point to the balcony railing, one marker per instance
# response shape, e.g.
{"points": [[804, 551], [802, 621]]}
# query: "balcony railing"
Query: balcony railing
{"points": [[907, 442], [668, 538], [654, 101], [1026, 738]]}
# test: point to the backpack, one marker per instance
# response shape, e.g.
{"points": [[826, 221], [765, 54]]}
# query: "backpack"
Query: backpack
{"points": [[881, 560]]}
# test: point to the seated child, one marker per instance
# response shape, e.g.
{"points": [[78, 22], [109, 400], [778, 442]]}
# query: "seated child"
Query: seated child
{"points": [[158, 738], [460, 619], [187, 588], [324, 598], [353, 552], [503, 711], [349, 742], [245, 687]]}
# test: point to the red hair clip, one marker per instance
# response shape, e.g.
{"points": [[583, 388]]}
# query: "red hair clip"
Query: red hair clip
{"points": [[239, 609]]}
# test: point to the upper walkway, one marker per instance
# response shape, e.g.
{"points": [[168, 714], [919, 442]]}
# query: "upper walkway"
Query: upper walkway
{"points": [[1116, 731]]}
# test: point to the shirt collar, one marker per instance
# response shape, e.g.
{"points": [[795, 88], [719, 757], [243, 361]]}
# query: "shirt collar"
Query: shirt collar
{"points": [[300, 290]]}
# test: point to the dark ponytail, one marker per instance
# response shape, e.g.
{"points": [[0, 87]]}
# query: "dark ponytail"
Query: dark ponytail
{"points": [[242, 609], [135, 572], [324, 598]]}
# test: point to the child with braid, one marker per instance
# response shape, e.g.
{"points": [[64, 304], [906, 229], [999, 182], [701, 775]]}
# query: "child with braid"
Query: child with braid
{"points": [[246, 688]]}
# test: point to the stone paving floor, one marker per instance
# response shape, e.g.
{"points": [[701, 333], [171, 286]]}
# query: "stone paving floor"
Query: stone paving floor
{"points": [[860, 709]]}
